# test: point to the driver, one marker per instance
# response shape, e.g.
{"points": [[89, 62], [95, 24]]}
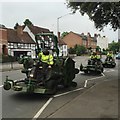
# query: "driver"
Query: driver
{"points": [[109, 56], [43, 67], [94, 57], [46, 57]]}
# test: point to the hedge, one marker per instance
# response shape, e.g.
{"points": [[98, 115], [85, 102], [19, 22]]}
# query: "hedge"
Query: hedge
{"points": [[7, 58]]}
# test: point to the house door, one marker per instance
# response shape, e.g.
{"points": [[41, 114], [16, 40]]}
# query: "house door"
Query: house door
{"points": [[4, 50]]}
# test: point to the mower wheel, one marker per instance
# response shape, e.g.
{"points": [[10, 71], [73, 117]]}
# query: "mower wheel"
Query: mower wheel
{"points": [[7, 86], [51, 84], [74, 84], [86, 72]]}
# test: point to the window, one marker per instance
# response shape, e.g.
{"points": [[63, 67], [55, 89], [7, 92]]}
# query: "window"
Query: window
{"points": [[64, 46], [15, 45]]}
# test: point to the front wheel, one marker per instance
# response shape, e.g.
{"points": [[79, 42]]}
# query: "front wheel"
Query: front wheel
{"points": [[86, 72], [7, 86]]}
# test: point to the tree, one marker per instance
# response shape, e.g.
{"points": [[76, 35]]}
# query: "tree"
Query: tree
{"points": [[27, 22], [71, 50], [80, 49], [64, 34], [98, 48], [114, 46], [102, 13]]}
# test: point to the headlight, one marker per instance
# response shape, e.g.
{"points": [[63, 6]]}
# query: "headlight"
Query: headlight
{"points": [[29, 69], [40, 67], [31, 75], [49, 66]]}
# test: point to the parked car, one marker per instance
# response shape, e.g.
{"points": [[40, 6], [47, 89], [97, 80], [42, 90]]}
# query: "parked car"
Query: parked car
{"points": [[118, 56]]}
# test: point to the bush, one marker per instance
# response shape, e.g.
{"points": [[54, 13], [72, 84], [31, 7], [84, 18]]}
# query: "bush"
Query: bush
{"points": [[7, 58], [72, 51]]}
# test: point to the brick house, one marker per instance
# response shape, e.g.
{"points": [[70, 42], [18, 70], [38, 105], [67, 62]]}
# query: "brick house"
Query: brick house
{"points": [[3, 40], [91, 41], [80, 39]]}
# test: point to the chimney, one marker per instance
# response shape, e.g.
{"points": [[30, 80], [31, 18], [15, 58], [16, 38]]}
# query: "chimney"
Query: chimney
{"points": [[95, 36], [89, 35], [82, 34], [19, 30], [58, 36]]}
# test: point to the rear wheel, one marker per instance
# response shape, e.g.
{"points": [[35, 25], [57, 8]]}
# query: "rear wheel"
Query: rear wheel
{"points": [[74, 84], [52, 85]]}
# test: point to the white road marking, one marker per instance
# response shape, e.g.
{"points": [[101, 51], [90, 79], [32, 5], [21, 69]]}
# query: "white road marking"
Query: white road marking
{"points": [[1, 85], [103, 74], [50, 99], [42, 109], [110, 70], [67, 92], [86, 81]]}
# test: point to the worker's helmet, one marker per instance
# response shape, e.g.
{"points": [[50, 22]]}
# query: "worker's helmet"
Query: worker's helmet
{"points": [[45, 52]]}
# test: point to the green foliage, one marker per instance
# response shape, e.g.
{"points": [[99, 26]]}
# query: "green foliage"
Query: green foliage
{"points": [[78, 50], [71, 51], [27, 22], [114, 46], [98, 49], [102, 13], [7, 58], [64, 34]]}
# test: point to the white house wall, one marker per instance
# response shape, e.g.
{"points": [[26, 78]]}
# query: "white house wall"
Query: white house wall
{"points": [[32, 52], [26, 29], [63, 50], [102, 42]]}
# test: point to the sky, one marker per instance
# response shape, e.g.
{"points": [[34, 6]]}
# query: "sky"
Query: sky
{"points": [[45, 13]]}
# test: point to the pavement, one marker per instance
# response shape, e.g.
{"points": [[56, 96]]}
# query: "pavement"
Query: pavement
{"points": [[10, 66], [100, 101]]}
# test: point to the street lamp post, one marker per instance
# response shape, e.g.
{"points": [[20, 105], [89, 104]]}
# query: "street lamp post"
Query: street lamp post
{"points": [[58, 23]]}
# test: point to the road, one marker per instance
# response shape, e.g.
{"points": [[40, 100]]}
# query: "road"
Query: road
{"points": [[65, 103]]}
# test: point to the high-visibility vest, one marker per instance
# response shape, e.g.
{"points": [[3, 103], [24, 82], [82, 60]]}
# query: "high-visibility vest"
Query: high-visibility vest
{"points": [[92, 56], [110, 55], [46, 58], [95, 57]]}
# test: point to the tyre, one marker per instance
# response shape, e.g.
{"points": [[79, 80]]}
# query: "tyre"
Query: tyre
{"points": [[102, 69], [7, 86], [86, 72], [74, 84], [52, 85]]}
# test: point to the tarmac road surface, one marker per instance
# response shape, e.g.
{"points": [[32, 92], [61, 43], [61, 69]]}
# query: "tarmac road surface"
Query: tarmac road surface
{"points": [[94, 97]]}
